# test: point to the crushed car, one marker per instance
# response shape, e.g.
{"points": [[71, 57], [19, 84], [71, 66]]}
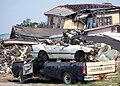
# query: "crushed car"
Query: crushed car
{"points": [[65, 52]]}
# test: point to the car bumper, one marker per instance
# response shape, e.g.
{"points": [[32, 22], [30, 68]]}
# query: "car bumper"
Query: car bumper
{"points": [[100, 76]]}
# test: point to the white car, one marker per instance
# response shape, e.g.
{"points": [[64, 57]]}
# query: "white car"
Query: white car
{"points": [[60, 51]]}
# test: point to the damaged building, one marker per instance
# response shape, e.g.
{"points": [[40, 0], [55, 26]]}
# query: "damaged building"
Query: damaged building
{"points": [[102, 18], [28, 32], [82, 16], [19, 46]]}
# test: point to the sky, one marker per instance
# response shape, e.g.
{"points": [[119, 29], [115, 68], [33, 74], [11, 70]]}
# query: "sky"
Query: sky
{"points": [[13, 12]]}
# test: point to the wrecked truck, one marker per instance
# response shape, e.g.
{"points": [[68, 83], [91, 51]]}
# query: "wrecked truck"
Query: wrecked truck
{"points": [[68, 72]]}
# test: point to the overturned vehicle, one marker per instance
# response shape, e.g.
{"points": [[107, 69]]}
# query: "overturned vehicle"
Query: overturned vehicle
{"points": [[68, 72]]}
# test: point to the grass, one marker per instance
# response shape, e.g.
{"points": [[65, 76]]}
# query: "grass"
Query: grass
{"points": [[110, 82]]}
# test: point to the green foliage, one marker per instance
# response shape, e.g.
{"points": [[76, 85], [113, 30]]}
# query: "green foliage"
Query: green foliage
{"points": [[28, 23], [42, 25]]}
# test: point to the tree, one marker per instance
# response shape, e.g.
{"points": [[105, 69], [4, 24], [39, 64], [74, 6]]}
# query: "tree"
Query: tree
{"points": [[25, 23], [28, 23], [42, 25]]}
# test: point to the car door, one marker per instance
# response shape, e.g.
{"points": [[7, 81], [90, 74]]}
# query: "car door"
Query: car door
{"points": [[65, 52], [48, 49], [53, 51], [58, 51]]}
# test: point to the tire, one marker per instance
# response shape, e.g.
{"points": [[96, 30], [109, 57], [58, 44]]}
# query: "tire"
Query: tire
{"points": [[39, 61], [80, 56], [43, 55], [68, 78], [37, 65]]}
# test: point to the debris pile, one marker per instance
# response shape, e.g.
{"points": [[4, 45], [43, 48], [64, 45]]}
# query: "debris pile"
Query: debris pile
{"points": [[11, 54], [20, 51], [106, 53]]}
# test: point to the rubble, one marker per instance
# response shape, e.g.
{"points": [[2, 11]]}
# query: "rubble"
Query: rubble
{"points": [[18, 50], [11, 54], [107, 53]]}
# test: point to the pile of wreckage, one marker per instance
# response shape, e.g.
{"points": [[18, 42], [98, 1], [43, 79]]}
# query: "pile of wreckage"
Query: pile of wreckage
{"points": [[18, 48]]}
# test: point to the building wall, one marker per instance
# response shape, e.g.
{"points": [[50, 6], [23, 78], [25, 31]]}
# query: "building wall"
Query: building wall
{"points": [[55, 22], [115, 17], [59, 22], [69, 24], [52, 21], [49, 21]]}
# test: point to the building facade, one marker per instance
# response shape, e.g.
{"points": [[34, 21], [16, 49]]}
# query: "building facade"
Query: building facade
{"points": [[82, 16]]}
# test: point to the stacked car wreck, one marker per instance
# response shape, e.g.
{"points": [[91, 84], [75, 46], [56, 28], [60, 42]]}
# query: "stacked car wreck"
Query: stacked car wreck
{"points": [[81, 43], [30, 54]]}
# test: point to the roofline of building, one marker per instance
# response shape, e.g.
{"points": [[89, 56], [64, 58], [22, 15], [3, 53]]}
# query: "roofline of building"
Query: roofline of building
{"points": [[90, 4], [65, 6], [50, 10]]}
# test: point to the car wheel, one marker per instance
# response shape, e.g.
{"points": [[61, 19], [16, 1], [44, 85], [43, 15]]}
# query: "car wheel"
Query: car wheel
{"points": [[68, 78], [43, 55], [80, 56]]}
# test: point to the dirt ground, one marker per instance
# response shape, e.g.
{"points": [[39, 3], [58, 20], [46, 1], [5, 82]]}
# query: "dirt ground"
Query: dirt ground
{"points": [[29, 84], [9, 80]]}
